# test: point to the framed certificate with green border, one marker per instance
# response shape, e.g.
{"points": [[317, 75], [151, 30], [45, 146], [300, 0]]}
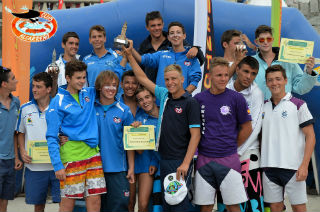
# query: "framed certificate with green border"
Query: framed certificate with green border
{"points": [[140, 138], [38, 151], [295, 51]]}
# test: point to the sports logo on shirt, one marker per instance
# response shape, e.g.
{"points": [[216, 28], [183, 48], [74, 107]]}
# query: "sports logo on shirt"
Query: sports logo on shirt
{"points": [[116, 120], [87, 99], [187, 63], [225, 110], [284, 114], [178, 110], [263, 115], [248, 111], [29, 120], [109, 63]]}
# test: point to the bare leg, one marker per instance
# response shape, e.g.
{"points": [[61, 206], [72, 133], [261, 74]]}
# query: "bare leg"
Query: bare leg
{"points": [[145, 183], [276, 206], [39, 208], [132, 197], [299, 208], [93, 203], [3, 205], [66, 204], [206, 208], [233, 208]]}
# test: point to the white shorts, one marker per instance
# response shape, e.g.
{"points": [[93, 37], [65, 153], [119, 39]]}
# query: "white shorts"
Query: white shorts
{"points": [[276, 181], [212, 177]]}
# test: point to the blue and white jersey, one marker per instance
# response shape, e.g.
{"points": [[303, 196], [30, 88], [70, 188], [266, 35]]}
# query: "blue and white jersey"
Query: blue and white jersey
{"points": [[76, 121], [32, 122], [148, 158], [161, 59], [110, 61], [111, 121]]}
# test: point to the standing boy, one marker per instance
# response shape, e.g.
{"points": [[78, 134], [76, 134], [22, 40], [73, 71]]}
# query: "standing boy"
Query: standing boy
{"points": [[118, 164], [249, 153], [175, 55], [32, 126], [178, 129], [9, 160], [288, 141], [226, 124], [77, 164]]}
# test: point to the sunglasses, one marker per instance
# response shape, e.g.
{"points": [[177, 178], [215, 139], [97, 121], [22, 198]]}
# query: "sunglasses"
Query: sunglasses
{"points": [[262, 40]]}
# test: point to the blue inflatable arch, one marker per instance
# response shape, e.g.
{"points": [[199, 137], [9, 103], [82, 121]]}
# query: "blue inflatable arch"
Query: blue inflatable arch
{"points": [[226, 15]]}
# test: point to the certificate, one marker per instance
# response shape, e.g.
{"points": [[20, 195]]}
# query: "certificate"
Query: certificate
{"points": [[38, 150], [295, 51], [139, 138]]}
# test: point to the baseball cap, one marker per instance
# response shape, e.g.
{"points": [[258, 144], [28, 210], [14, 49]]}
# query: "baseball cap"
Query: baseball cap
{"points": [[174, 190]]}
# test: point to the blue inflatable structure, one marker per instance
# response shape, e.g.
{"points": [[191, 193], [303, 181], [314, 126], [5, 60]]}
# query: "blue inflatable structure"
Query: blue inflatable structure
{"points": [[226, 15]]}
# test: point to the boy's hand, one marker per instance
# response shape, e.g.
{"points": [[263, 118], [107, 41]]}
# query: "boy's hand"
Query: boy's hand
{"points": [[61, 174], [24, 156], [152, 170], [130, 176], [302, 173]]}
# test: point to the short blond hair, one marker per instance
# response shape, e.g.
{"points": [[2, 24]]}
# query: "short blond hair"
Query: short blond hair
{"points": [[104, 76], [173, 67], [218, 61]]}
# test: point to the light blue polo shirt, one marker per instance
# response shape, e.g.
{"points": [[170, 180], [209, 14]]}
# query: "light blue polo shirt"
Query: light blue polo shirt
{"points": [[8, 120]]}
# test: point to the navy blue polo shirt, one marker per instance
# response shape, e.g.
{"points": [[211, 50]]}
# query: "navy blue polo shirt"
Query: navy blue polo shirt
{"points": [[178, 117]]}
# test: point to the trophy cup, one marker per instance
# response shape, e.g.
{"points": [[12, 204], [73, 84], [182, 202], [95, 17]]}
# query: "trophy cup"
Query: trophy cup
{"points": [[121, 39], [53, 68]]}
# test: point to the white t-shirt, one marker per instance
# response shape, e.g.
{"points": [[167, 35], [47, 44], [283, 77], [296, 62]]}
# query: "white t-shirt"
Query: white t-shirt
{"points": [[255, 101], [32, 122], [283, 142]]}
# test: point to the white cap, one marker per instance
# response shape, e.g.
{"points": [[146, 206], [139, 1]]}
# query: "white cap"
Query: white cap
{"points": [[174, 190]]}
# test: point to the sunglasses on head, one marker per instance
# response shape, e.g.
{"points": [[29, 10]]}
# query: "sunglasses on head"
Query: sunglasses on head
{"points": [[262, 40]]}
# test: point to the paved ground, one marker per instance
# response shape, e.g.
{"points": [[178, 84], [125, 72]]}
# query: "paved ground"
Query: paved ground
{"points": [[18, 205]]}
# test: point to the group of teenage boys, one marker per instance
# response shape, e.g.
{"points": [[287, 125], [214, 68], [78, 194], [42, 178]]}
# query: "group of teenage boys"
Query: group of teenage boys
{"points": [[83, 125]]}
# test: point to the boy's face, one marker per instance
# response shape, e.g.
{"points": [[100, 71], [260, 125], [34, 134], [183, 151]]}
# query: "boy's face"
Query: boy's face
{"points": [[146, 101], [155, 27], [232, 45], [276, 83], [11, 84], [174, 81], [97, 39], [176, 36], [77, 81], [129, 85], [219, 77], [71, 47], [264, 41], [246, 75], [109, 89], [39, 90]]}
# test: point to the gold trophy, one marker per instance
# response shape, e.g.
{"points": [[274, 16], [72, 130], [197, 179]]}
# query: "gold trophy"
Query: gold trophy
{"points": [[121, 39]]}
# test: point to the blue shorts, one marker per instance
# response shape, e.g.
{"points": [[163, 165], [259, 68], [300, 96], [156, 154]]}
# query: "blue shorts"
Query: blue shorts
{"points": [[37, 184], [7, 179], [117, 196]]}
